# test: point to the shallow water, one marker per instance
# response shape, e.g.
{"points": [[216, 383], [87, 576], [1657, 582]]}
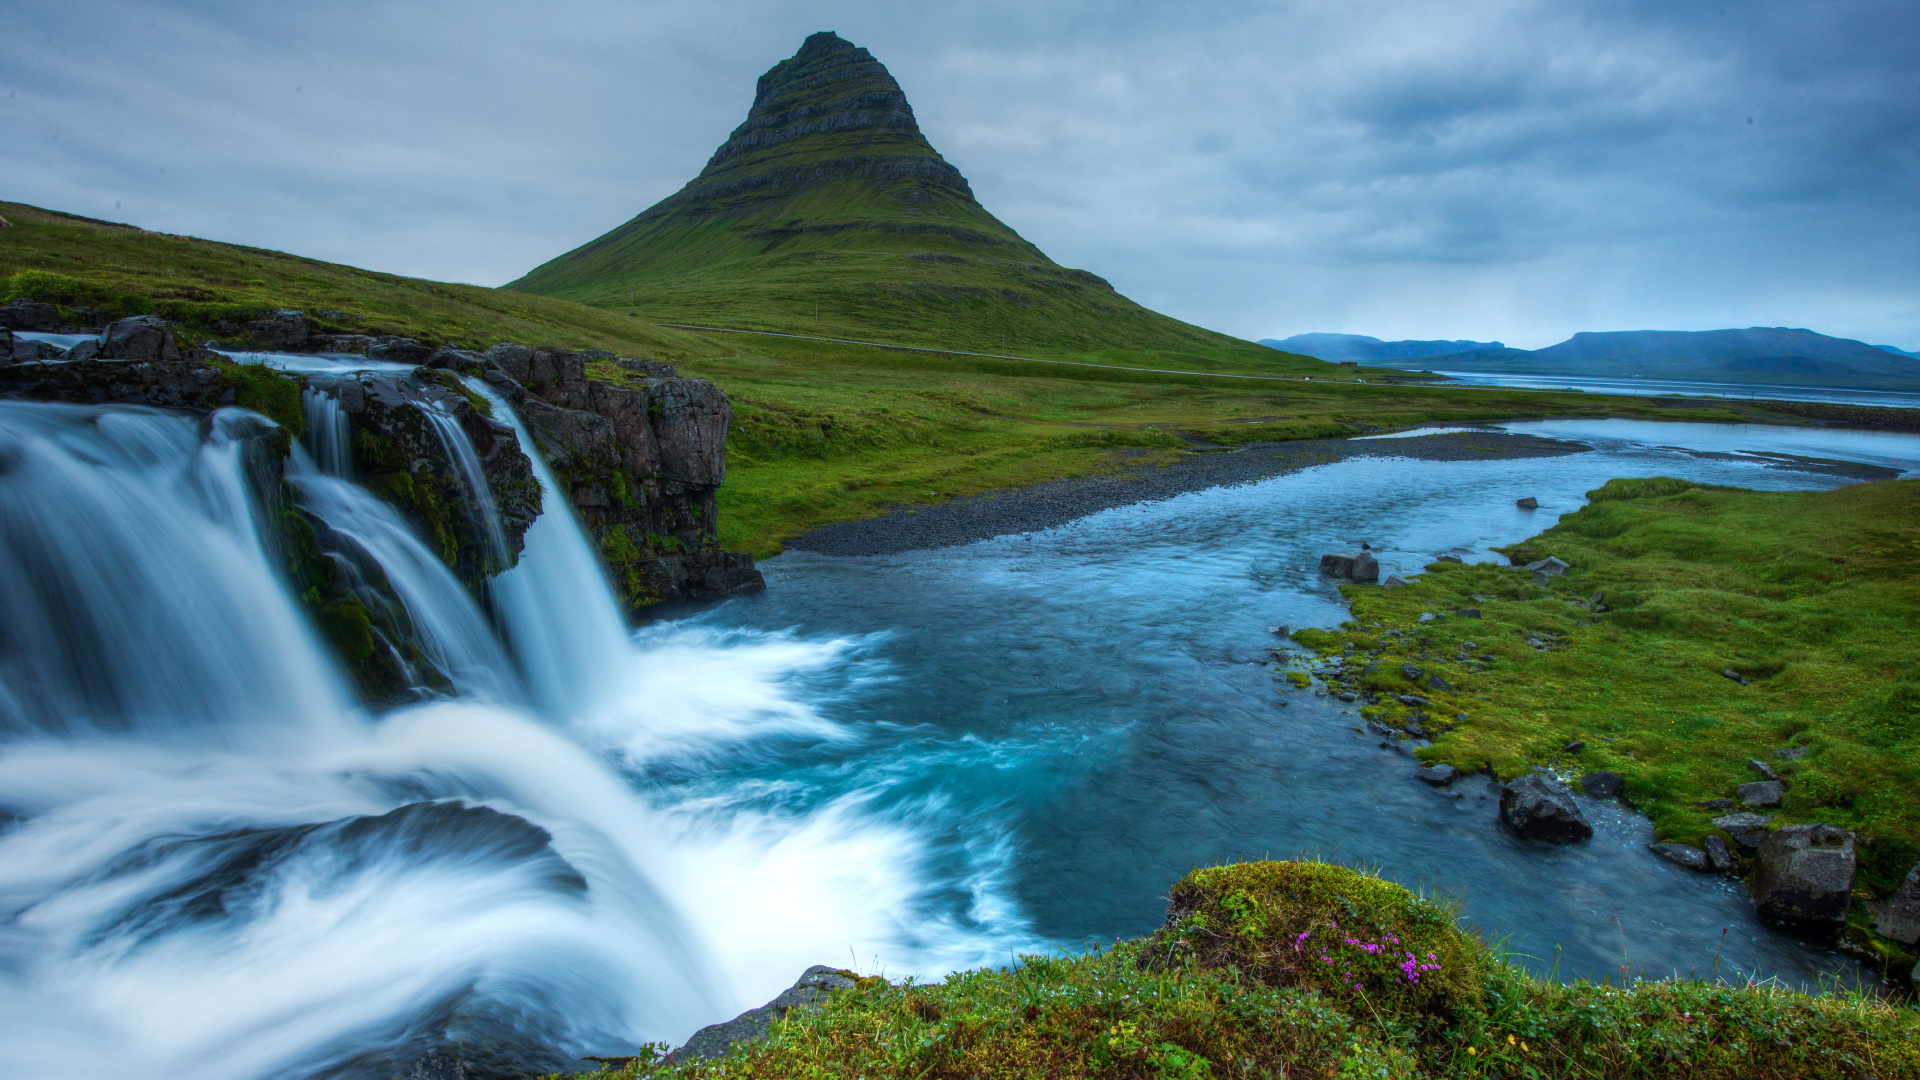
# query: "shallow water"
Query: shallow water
{"points": [[1089, 709]]}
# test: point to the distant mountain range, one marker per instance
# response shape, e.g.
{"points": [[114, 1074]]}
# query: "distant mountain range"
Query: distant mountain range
{"points": [[1362, 347], [1773, 355]]}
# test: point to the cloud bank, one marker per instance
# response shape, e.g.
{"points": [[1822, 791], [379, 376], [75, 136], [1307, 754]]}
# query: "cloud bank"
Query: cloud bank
{"points": [[1513, 169]]}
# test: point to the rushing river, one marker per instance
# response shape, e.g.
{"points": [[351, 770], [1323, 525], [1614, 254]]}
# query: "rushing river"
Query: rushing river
{"points": [[217, 867]]}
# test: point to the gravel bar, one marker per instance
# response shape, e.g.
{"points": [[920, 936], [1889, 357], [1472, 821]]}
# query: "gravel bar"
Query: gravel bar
{"points": [[1044, 506]]}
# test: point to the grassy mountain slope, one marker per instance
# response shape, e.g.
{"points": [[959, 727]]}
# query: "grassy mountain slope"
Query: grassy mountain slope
{"points": [[123, 270], [828, 212]]}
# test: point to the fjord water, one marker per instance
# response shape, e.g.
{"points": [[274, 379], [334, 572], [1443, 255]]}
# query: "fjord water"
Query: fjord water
{"points": [[216, 866]]}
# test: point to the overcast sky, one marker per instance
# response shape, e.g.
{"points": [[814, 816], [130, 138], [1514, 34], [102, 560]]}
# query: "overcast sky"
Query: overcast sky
{"points": [[1510, 169]]}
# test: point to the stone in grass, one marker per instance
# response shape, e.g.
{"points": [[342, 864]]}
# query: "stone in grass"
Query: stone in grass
{"points": [[1438, 775], [1539, 807], [1394, 581], [1681, 855], [1467, 612], [1426, 617], [1352, 566], [1900, 919], [1573, 747], [1761, 794], [1804, 873], [1411, 673], [1791, 753], [1748, 830], [1411, 701], [1549, 566], [1719, 856], [1602, 784], [1735, 676], [1435, 682], [1765, 770], [812, 988]]}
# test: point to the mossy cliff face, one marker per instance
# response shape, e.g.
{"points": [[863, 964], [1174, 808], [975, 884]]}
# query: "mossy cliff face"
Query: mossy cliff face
{"points": [[400, 455], [640, 454]]}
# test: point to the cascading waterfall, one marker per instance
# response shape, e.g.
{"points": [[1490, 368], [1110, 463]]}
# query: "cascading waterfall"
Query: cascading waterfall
{"points": [[218, 867]]}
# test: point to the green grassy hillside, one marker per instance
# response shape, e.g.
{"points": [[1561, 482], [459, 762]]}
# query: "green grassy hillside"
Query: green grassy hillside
{"points": [[122, 270], [828, 212]]}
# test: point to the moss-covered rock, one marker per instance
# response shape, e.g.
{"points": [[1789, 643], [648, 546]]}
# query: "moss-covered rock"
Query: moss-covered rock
{"points": [[1359, 941]]}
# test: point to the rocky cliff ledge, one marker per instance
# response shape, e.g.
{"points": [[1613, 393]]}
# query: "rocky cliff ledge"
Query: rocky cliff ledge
{"points": [[640, 455]]}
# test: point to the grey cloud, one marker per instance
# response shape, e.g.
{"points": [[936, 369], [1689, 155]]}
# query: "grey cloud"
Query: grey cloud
{"points": [[1514, 169]]}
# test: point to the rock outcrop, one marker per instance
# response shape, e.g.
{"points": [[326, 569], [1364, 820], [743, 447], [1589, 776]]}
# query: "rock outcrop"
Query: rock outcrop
{"points": [[1351, 566], [1539, 807], [1804, 873], [812, 988], [401, 452], [640, 459], [1900, 919]]}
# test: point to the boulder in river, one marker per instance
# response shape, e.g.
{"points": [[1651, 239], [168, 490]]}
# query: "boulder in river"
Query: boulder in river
{"points": [[1747, 830], [1539, 807], [1900, 919], [1761, 794], [715, 1040], [1351, 566], [1719, 856], [1681, 855], [1438, 774], [1528, 503], [1804, 873], [142, 337], [1602, 784]]}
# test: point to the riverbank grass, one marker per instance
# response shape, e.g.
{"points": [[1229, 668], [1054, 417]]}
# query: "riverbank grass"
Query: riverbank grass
{"points": [[1699, 630], [1307, 970]]}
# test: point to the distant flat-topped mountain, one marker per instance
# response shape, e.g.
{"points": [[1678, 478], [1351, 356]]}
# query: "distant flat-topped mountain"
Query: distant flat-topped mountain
{"points": [[827, 211], [1362, 347], [1771, 355]]}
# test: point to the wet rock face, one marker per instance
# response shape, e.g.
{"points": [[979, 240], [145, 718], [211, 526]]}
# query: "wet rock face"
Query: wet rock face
{"points": [[1539, 807], [640, 459], [401, 454], [1804, 873], [180, 384]]}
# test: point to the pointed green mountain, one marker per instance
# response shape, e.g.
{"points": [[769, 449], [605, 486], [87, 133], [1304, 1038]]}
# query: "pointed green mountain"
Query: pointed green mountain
{"points": [[828, 212]]}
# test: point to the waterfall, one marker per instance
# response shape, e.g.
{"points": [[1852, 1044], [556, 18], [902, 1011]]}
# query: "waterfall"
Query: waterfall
{"points": [[139, 592], [559, 614], [215, 866], [329, 439]]}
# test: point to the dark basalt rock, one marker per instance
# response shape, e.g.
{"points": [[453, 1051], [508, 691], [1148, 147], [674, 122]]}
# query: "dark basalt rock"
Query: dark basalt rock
{"points": [[1719, 856], [1747, 830], [714, 1041], [1352, 566], [1438, 774], [1681, 855], [1804, 873], [1539, 807], [1602, 784], [30, 315], [641, 460], [285, 329], [1900, 919], [1761, 794], [142, 337], [177, 384], [401, 455]]}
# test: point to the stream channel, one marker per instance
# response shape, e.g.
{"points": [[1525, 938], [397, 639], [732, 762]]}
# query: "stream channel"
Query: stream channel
{"points": [[214, 865]]}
